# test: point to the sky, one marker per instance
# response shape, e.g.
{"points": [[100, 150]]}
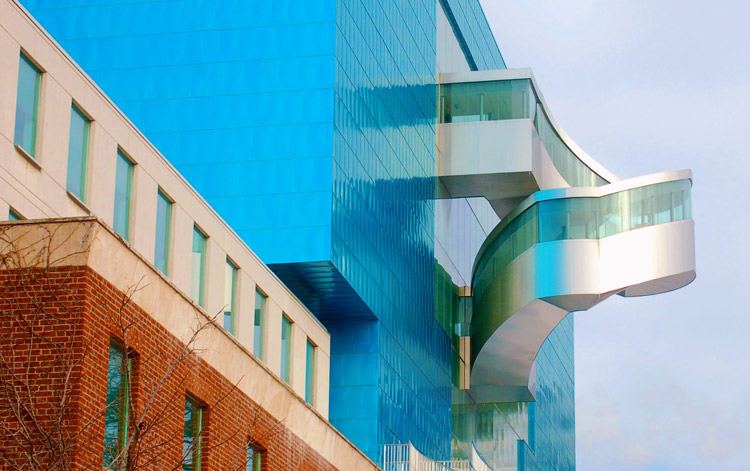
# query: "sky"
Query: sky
{"points": [[662, 382]]}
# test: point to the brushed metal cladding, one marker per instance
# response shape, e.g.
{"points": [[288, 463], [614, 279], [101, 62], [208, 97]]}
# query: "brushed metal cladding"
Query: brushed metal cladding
{"points": [[528, 298]]}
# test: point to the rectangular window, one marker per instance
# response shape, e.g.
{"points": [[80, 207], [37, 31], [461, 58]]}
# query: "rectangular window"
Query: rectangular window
{"points": [[27, 105], [123, 190], [254, 457], [286, 348], [78, 148], [163, 225], [116, 413], [230, 287], [193, 435], [199, 265], [310, 373], [13, 215], [260, 320]]}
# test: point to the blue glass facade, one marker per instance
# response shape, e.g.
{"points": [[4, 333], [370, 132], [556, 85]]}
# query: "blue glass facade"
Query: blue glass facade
{"points": [[310, 127]]}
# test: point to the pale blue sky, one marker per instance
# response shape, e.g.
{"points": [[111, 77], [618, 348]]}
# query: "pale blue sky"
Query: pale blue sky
{"points": [[663, 382]]}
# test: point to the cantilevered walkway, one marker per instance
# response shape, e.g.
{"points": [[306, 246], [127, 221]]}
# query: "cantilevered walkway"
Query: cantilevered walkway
{"points": [[571, 233]]}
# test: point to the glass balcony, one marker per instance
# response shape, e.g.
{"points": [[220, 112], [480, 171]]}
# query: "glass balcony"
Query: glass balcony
{"points": [[513, 99], [581, 218]]}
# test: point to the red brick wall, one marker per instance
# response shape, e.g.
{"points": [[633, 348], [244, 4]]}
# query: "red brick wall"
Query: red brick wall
{"points": [[60, 322]]}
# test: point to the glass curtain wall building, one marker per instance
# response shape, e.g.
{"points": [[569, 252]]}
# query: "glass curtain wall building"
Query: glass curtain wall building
{"points": [[310, 126]]}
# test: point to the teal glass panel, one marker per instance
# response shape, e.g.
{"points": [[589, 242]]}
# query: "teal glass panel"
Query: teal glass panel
{"points": [[310, 373], [286, 349], [27, 105], [582, 218], [198, 267], [486, 101], [116, 412], [230, 288], [123, 193], [192, 436], [253, 458], [259, 323], [13, 215], [163, 229], [78, 147]]}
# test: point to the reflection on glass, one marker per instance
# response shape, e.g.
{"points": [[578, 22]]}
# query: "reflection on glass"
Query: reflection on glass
{"points": [[230, 286], [253, 458], [116, 413], [310, 373], [260, 320], [123, 190], [27, 104], [486, 101], [78, 146], [163, 223], [286, 348], [583, 218], [192, 436], [198, 266]]}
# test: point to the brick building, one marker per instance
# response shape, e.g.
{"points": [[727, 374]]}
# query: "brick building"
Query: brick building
{"points": [[67, 311]]}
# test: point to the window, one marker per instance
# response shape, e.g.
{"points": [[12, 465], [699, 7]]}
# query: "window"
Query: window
{"points": [[13, 215], [78, 148], [193, 435], [27, 105], [254, 457], [286, 348], [116, 413], [199, 263], [163, 223], [123, 187], [230, 287], [260, 315], [310, 373]]}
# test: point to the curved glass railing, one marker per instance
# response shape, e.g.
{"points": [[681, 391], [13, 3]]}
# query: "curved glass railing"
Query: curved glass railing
{"points": [[586, 217], [514, 99]]}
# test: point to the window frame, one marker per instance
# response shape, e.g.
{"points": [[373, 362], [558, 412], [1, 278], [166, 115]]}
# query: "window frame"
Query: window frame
{"points": [[75, 109], [199, 410], [123, 414], [285, 371], [257, 457], [230, 295], [14, 215], [259, 323], [24, 57], [160, 194], [122, 156], [310, 371], [201, 295]]}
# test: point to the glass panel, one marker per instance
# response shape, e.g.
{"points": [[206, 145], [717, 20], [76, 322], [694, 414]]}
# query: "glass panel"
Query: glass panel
{"points": [[198, 266], [116, 413], [78, 145], [230, 285], [582, 218], [163, 224], [13, 216], [191, 443], [614, 213], [123, 184], [254, 458], [486, 101], [27, 103], [566, 162], [260, 315], [310, 373], [286, 348]]}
